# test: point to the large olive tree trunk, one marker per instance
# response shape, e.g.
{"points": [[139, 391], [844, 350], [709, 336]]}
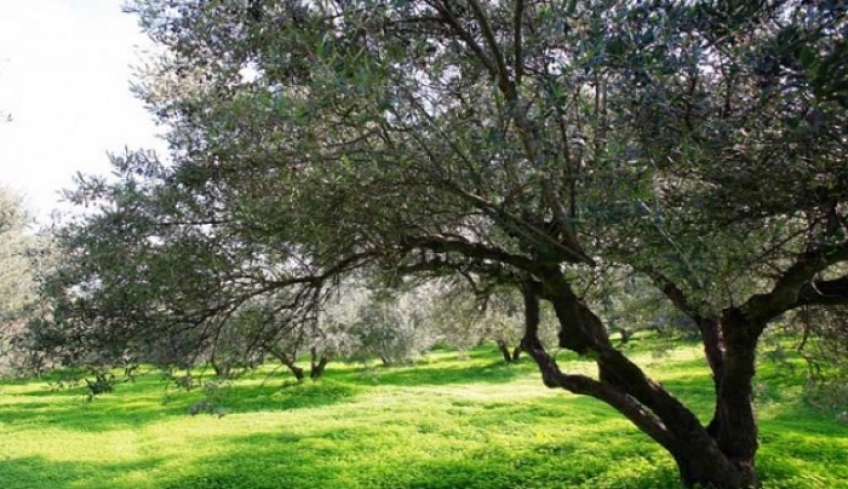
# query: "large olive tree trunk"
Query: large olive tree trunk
{"points": [[734, 425], [721, 454]]}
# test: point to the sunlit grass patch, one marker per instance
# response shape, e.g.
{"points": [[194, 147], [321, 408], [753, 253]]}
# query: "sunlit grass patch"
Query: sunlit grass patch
{"points": [[448, 422]]}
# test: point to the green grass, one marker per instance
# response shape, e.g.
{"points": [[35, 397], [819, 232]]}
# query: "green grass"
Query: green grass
{"points": [[445, 423]]}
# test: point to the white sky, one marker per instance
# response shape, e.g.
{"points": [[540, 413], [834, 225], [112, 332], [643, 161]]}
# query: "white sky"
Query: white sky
{"points": [[65, 67]]}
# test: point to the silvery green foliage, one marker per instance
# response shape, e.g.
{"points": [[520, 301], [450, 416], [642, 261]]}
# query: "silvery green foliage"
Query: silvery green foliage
{"points": [[16, 274], [390, 325], [466, 318], [333, 136], [521, 143], [823, 343], [24, 257]]}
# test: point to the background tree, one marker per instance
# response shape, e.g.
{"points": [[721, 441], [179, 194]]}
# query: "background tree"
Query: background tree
{"points": [[24, 256], [493, 141], [466, 318], [393, 326]]}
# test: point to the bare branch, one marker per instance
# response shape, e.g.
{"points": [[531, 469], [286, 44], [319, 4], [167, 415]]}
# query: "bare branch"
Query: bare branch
{"points": [[504, 81], [518, 61]]}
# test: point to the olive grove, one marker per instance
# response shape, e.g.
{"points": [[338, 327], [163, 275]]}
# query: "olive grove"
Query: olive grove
{"points": [[698, 145]]}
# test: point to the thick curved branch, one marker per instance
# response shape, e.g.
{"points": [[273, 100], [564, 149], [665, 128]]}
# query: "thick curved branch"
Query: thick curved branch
{"points": [[643, 418], [787, 291], [553, 377], [824, 293]]}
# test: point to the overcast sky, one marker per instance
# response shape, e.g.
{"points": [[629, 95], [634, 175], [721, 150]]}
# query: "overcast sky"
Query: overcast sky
{"points": [[65, 67]]}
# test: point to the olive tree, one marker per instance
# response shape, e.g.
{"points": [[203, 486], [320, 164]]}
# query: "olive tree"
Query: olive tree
{"points": [[23, 257], [518, 142]]}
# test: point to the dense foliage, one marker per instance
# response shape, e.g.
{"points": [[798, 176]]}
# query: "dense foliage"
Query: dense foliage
{"points": [[23, 258], [529, 145]]}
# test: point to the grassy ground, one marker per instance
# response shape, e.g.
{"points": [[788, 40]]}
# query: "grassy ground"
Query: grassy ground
{"points": [[445, 423]]}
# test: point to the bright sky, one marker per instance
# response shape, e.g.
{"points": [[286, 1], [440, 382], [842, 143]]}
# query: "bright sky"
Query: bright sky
{"points": [[65, 67]]}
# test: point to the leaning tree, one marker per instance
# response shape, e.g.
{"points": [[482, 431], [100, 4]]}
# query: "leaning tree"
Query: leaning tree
{"points": [[523, 143]]}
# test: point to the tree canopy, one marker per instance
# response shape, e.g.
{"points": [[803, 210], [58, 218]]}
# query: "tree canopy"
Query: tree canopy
{"points": [[526, 144]]}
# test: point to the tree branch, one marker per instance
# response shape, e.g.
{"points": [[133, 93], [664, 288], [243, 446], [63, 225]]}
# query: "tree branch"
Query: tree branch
{"points": [[786, 293], [553, 377], [443, 244], [674, 294], [518, 60], [824, 293], [466, 36], [504, 81]]}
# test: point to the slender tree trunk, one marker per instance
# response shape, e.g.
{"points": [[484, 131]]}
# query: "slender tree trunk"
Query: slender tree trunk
{"points": [[290, 363], [317, 365], [297, 372], [509, 357], [221, 370]]}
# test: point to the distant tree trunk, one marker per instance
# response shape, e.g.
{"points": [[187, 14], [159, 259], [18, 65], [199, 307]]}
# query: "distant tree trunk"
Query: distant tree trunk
{"points": [[516, 354], [222, 370], [290, 362], [721, 457], [626, 335], [297, 371], [317, 364], [508, 356]]}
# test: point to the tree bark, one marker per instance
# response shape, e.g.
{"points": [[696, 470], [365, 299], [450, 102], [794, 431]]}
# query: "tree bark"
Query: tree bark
{"points": [[735, 425], [297, 372], [714, 351]]}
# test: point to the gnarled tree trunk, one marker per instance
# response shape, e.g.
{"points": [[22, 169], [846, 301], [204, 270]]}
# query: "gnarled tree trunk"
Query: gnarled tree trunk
{"points": [[721, 455]]}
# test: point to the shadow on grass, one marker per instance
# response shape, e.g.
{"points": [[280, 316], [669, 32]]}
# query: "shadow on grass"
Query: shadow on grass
{"points": [[608, 455], [434, 374], [31, 472], [362, 457], [148, 400], [291, 395], [135, 408]]}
